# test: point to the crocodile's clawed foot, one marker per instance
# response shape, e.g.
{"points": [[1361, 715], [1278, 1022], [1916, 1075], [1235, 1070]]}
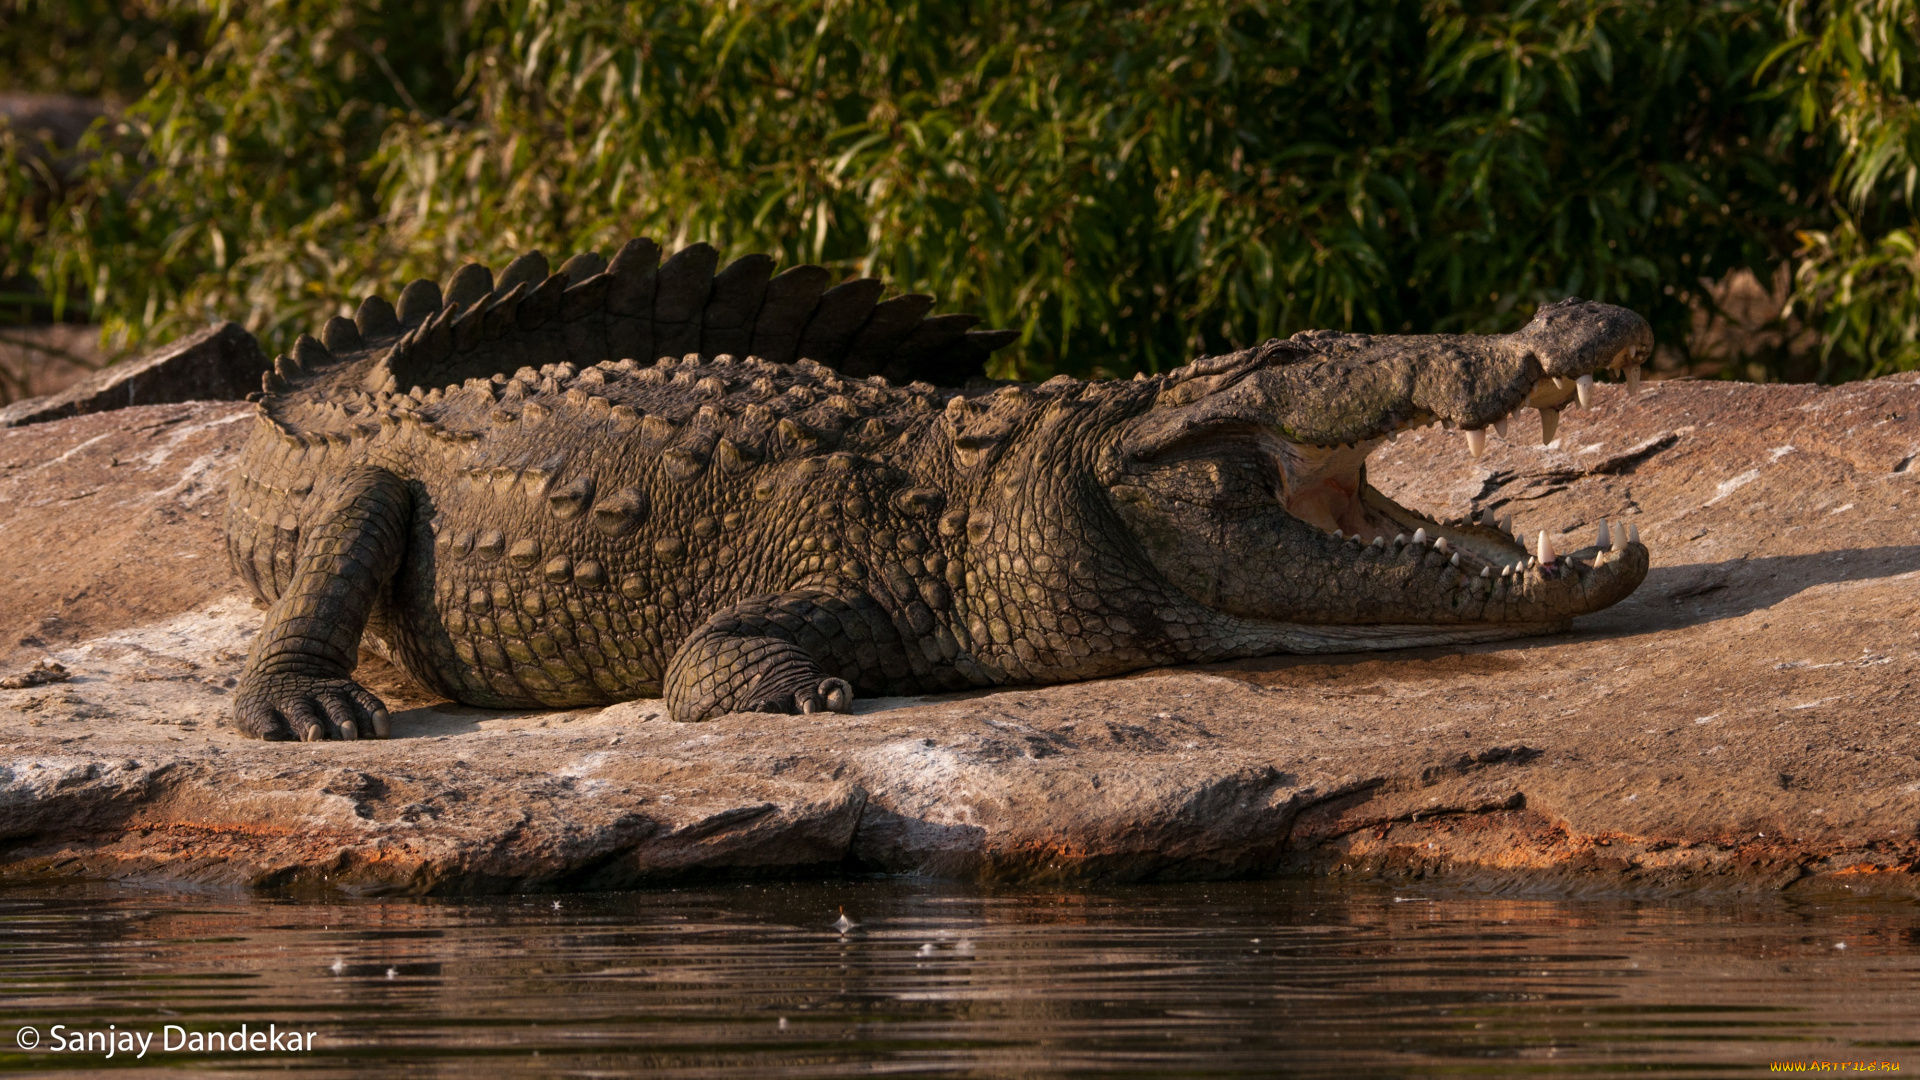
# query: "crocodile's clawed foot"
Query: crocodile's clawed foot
{"points": [[828, 695], [832, 695], [283, 708]]}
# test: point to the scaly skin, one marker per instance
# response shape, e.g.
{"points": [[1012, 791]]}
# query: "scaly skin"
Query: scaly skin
{"points": [[747, 534]]}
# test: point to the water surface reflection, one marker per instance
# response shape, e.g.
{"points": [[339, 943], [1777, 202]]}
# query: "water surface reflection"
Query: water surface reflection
{"points": [[1216, 980]]}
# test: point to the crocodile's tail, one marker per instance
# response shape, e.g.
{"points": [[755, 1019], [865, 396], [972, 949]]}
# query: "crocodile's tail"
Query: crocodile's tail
{"points": [[638, 307]]}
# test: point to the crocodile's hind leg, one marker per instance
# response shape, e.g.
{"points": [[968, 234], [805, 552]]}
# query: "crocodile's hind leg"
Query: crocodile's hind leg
{"points": [[296, 685], [797, 652]]}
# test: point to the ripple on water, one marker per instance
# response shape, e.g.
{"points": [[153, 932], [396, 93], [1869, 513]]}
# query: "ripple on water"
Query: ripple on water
{"points": [[1220, 980]]}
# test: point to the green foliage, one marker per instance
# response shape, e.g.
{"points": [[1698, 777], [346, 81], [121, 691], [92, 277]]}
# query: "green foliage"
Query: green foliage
{"points": [[1858, 270], [88, 48], [1128, 184]]}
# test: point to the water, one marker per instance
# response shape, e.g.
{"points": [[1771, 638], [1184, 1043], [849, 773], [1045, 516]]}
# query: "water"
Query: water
{"points": [[1195, 980]]}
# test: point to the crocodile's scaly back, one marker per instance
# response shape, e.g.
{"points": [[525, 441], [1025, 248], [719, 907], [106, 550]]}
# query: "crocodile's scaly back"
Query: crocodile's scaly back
{"points": [[324, 401]]}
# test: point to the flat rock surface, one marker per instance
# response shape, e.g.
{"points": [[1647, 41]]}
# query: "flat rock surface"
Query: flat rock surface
{"points": [[1745, 721]]}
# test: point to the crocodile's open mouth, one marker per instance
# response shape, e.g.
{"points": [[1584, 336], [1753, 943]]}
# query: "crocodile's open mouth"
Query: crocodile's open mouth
{"points": [[1248, 486], [1326, 487], [1485, 568]]}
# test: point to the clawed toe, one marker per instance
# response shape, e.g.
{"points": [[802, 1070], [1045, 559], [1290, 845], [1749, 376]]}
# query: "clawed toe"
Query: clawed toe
{"points": [[284, 708], [832, 695]]}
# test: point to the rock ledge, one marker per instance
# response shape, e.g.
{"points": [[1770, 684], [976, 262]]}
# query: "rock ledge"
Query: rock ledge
{"points": [[1746, 721]]}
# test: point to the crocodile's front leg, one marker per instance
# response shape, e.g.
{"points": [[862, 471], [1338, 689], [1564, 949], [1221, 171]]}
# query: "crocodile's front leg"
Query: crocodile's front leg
{"points": [[296, 684], [795, 652]]}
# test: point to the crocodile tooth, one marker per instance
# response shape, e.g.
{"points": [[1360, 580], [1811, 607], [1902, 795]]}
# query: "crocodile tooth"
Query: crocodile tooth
{"points": [[1486, 571], [1338, 535], [1477, 441], [1559, 383], [1420, 536], [1583, 390], [1488, 520], [1546, 550], [1603, 542], [1500, 426], [1549, 425], [1378, 541], [1505, 524], [1442, 545], [1633, 534], [1455, 561], [1633, 379]]}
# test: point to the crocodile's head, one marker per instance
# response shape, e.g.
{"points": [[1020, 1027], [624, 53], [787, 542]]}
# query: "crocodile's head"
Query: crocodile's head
{"points": [[1246, 482]]}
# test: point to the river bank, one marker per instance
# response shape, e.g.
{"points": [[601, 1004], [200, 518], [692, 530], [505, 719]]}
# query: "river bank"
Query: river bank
{"points": [[1744, 722]]}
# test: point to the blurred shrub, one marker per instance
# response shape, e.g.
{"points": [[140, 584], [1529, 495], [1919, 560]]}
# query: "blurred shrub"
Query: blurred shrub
{"points": [[90, 48], [1858, 266], [1128, 184]]}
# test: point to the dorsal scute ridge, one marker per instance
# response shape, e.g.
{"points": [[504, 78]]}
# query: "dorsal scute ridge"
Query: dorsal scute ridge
{"points": [[593, 310], [712, 387]]}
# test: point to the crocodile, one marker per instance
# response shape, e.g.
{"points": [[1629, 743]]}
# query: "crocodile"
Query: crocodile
{"points": [[784, 511]]}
